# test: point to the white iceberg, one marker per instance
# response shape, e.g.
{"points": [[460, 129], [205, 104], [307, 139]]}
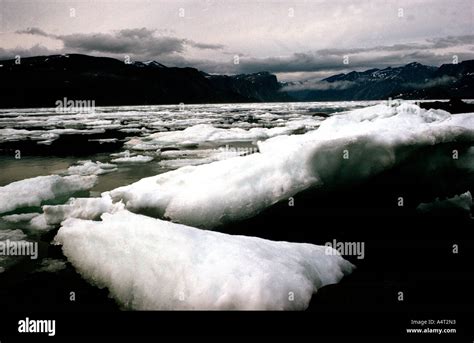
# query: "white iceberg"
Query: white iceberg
{"points": [[20, 218], [29, 221], [34, 191], [125, 153], [150, 264], [346, 148], [82, 208], [133, 159], [91, 168]]}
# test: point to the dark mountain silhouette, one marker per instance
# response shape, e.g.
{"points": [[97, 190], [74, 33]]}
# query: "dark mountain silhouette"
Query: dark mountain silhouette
{"points": [[453, 106], [261, 86], [43, 80], [412, 81]]}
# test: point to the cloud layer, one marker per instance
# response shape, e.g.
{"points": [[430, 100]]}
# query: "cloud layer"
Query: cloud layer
{"points": [[295, 39], [146, 44], [138, 41]]}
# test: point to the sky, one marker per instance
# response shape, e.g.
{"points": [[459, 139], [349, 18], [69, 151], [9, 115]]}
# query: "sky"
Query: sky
{"points": [[295, 39]]}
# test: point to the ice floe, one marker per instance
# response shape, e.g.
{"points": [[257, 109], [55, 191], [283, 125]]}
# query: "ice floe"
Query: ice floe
{"points": [[150, 264], [91, 168], [205, 133], [82, 208], [133, 159], [29, 221], [345, 148], [34, 191]]}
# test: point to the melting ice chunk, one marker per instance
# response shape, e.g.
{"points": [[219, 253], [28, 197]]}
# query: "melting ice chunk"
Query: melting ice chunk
{"points": [[151, 264]]}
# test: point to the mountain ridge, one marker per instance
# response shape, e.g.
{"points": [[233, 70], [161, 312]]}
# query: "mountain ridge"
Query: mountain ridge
{"points": [[41, 80], [411, 81]]}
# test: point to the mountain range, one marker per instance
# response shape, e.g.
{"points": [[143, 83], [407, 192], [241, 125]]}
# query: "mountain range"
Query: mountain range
{"points": [[411, 81], [40, 81]]}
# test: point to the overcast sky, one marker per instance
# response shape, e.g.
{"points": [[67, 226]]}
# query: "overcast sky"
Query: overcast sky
{"points": [[294, 39]]}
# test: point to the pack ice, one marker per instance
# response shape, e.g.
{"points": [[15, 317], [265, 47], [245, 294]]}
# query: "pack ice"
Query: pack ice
{"points": [[205, 133], [151, 264], [350, 147]]}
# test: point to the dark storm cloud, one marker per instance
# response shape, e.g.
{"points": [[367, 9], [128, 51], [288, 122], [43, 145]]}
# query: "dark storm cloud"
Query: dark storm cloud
{"points": [[359, 58], [310, 62], [205, 46], [139, 41], [35, 31], [430, 44], [450, 41], [123, 44]]}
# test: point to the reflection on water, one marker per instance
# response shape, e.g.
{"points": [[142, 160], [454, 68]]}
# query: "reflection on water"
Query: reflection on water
{"points": [[31, 166]]}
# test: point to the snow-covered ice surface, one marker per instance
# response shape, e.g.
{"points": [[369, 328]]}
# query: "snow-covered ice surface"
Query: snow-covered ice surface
{"points": [[205, 133], [203, 166], [180, 267], [148, 129], [83, 208], [33, 192], [345, 148]]}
